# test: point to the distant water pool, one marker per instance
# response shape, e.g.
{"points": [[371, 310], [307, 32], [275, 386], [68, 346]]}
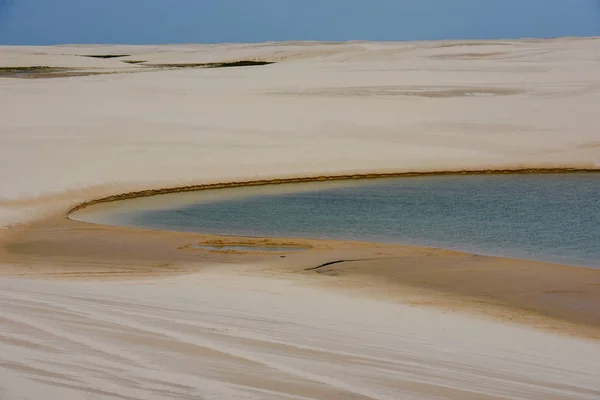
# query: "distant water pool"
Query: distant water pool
{"points": [[546, 217]]}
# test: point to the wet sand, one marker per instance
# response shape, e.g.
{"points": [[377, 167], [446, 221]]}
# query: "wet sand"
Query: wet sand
{"points": [[560, 298]]}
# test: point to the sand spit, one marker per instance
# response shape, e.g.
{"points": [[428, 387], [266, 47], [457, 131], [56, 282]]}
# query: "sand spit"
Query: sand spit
{"points": [[146, 315]]}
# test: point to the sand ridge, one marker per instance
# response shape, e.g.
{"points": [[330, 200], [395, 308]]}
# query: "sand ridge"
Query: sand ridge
{"points": [[311, 179]]}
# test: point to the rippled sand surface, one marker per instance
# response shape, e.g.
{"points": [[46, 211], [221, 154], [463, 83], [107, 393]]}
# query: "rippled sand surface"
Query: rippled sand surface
{"points": [[219, 336]]}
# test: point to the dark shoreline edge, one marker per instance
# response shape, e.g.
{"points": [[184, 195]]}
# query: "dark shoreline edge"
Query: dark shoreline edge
{"points": [[320, 178]]}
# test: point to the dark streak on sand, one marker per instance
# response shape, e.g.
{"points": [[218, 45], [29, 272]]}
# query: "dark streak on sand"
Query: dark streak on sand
{"points": [[105, 56], [242, 63], [43, 71], [345, 261]]}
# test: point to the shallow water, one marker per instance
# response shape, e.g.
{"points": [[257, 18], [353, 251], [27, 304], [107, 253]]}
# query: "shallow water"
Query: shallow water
{"points": [[547, 217]]}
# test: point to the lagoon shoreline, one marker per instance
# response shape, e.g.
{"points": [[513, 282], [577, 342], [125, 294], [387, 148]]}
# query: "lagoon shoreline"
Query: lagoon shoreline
{"points": [[326, 178], [554, 297]]}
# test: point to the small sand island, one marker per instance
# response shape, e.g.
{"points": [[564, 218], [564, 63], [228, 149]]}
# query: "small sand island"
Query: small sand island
{"points": [[96, 311]]}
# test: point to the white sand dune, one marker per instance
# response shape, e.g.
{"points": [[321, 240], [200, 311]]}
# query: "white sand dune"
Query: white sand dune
{"points": [[220, 336], [321, 109]]}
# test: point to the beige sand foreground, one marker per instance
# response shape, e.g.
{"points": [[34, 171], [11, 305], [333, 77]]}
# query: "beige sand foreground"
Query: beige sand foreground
{"points": [[151, 317]]}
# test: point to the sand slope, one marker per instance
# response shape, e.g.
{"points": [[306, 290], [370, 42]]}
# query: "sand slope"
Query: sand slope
{"points": [[321, 109], [220, 336]]}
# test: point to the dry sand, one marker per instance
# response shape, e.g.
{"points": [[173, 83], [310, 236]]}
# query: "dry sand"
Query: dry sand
{"points": [[145, 315]]}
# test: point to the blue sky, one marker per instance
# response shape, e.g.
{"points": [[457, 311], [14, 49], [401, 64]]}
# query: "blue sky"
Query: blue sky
{"points": [[37, 22]]}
